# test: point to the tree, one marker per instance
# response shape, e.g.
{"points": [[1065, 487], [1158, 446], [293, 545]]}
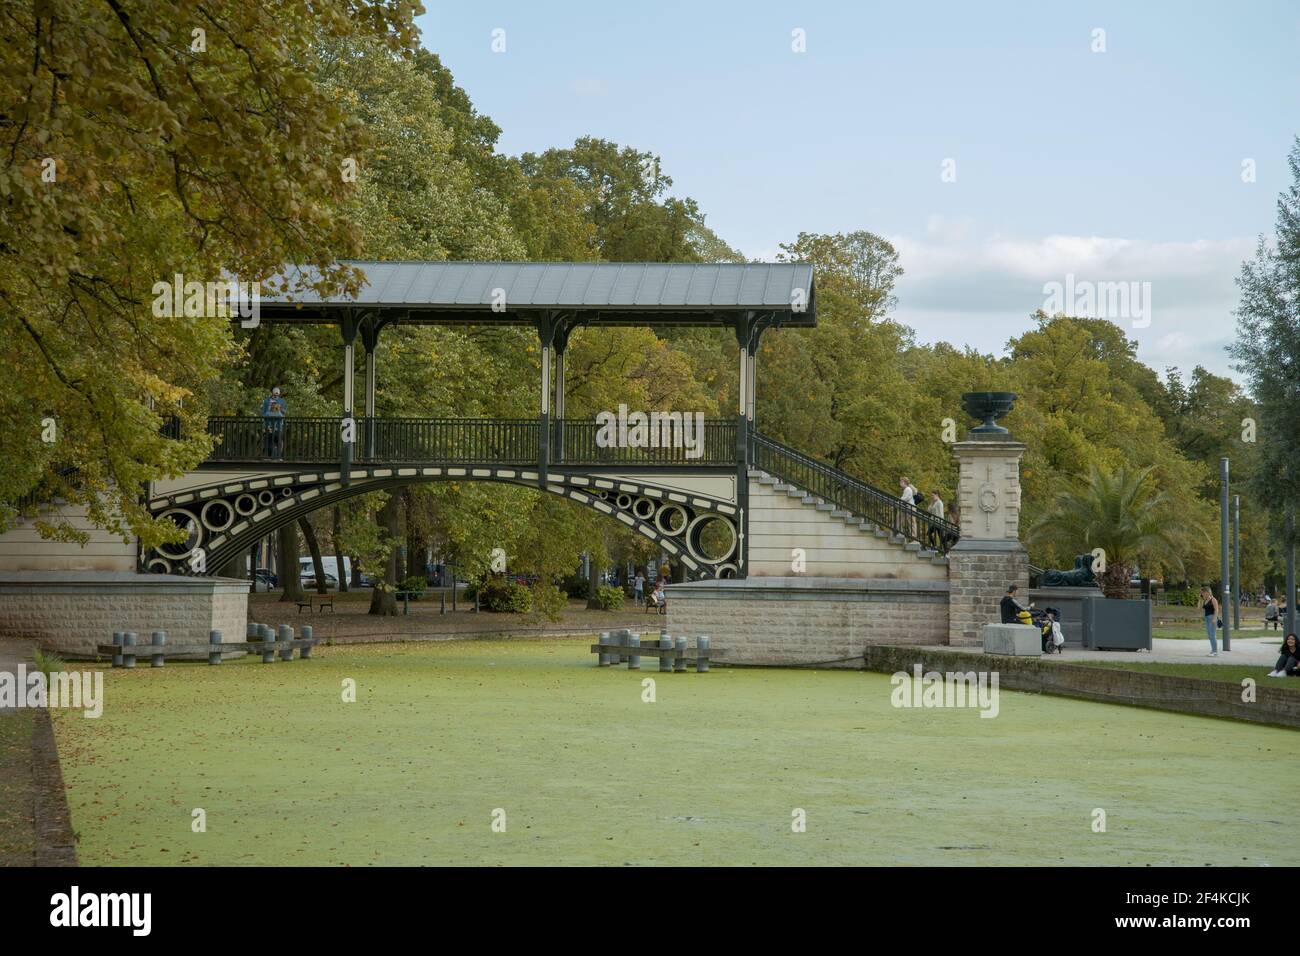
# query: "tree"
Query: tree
{"points": [[135, 148], [1267, 351], [1122, 513]]}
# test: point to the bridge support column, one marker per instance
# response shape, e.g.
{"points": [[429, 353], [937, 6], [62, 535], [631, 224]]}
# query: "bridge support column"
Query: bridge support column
{"points": [[989, 557], [558, 454]]}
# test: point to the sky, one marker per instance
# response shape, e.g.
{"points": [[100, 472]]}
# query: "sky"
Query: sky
{"points": [[1119, 158]]}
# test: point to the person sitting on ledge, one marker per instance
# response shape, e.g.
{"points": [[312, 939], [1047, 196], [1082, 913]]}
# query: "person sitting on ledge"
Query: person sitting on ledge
{"points": [[1013, 612], [1271, 615], [1288, 661], [659, 598]]}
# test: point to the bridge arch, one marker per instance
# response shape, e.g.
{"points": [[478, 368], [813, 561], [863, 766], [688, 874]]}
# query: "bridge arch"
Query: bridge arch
{"points": [[226, 518]]}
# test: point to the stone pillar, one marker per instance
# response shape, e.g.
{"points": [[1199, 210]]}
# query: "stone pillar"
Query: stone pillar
{"points": [[989, 557]]}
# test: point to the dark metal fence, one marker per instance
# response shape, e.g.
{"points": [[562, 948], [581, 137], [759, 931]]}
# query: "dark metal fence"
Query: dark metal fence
{"points": [[462, 441], [856, 497]]}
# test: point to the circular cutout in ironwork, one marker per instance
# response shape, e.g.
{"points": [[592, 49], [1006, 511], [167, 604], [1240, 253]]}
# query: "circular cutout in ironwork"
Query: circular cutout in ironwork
{"points": [[672, 520], [711, 538], [727, 570], [643, 508], [266, 498], [286, 492], [217, 515], [158, 566], [245, 505], [624, 501], [193, 534]]}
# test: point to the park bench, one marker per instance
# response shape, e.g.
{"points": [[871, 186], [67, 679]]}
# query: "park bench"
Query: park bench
{"points": [[317, 603]]}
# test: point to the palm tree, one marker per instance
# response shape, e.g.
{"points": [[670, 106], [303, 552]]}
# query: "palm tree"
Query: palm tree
{"points": [[1125, 515]]}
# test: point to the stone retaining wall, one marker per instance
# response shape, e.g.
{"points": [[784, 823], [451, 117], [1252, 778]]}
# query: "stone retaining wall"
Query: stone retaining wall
{"points": [[797, 620], [1111, 685], [72, 611]]}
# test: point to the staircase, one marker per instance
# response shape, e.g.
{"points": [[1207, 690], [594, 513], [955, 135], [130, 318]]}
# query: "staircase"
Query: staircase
{"points": [[843, 526]]}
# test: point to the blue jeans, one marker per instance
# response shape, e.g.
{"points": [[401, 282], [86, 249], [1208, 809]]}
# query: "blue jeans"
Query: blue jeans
{"points": [[1210, 627]]}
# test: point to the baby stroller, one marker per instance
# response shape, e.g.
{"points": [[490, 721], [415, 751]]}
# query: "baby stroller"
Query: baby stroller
{"points": [[1048, 622]]}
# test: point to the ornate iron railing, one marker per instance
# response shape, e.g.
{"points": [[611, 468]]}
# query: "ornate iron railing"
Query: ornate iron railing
{"points": [[459, 441], [854, 496], [714, 445]]}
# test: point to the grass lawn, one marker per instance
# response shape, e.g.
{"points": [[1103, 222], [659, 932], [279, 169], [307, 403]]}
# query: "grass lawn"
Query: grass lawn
{"points": [[442, 734], [1231, 673], [17, 798]]}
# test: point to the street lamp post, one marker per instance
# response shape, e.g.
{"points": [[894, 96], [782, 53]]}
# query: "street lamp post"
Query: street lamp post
{"points": [[1236, 562], [1223, 553]]}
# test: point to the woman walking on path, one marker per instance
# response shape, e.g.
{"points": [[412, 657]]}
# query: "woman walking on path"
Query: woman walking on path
{"points": [[1211, 608]]}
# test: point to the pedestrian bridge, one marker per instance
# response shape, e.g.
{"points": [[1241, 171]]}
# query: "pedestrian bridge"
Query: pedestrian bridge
{"points": [[735, 503], [695, 508]]}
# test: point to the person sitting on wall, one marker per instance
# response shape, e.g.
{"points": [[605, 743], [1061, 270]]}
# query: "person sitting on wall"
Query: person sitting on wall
{"points": [[1288, 661], [1271, 615], [1013, 612], [658, 598]]}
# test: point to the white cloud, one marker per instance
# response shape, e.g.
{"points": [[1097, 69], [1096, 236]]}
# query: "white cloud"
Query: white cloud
{"points": [[981, 291]]}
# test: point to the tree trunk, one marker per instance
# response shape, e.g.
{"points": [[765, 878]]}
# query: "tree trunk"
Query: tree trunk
{"points": [[318, 566], [384, 600], [290, 577], [339, 566], [593, 582]]}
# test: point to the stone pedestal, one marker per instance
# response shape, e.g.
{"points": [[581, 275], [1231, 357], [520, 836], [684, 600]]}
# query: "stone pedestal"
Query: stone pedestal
{"points": [[989, 557], [1013, 640], [978, 577]]}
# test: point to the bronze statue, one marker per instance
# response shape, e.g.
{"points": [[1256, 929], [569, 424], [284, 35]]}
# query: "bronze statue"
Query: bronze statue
{"points": [[1080, 577]]}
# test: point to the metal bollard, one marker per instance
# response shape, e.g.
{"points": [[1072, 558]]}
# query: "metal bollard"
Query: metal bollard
{"points": [[621, 636], [268, 653], [286, 634], [214, 640], [158, 639], [305, 653], [128, 649], [117, 655], [681, 656], [701, 655], [254, 632], [634, 660], [665, 644], [603, 657]]}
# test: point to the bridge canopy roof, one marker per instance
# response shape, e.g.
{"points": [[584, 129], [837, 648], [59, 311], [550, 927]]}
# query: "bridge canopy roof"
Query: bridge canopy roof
{"points": [[608, 293]]}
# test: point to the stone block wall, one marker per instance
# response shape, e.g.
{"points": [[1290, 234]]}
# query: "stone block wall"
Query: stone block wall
{"points": [[71, 612], [801, 620], [977, 579]]}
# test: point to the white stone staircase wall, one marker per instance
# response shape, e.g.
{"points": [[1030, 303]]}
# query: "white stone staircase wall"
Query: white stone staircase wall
{"points": [[836, 544]]}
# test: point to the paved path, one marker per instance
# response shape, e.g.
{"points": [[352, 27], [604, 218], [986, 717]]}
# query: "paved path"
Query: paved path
{"points": [[1246, 651], [12, 653]]}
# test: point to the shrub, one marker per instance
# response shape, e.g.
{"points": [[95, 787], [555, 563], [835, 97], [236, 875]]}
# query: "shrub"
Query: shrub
{"points": [[576, 586], [413, 585], [1187, 597], [609, 598], [47, 661], [498, 594]]}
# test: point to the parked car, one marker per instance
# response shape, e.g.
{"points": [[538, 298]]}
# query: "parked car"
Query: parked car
{"points": [[309, 581], [265, 579]]}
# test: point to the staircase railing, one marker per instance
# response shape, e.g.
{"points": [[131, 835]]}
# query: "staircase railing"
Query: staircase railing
{"points": [[851, 494]]}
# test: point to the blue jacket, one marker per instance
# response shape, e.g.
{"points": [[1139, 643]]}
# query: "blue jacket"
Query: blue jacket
{"points": [[273, 407]]}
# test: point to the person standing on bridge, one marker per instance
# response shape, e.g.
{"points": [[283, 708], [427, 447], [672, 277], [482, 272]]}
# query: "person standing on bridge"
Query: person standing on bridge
{"points": [[273, 412]]}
